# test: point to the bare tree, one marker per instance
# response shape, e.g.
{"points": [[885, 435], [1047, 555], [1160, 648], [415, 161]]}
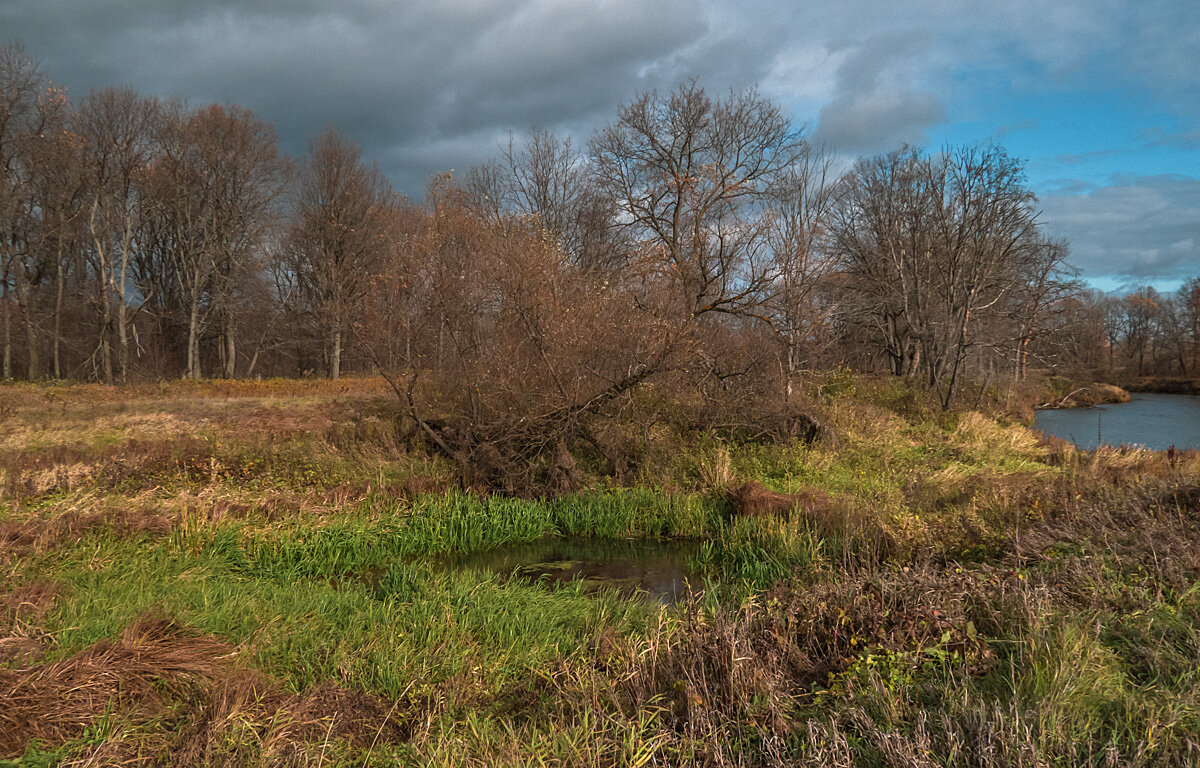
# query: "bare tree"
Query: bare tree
{"points": [[691, 176], [797, 233], [20, 86], [879, 239], [1140, 310], [541, 178], [57, 182], [117, 127], [240, 157], [211, 193], [338, 236], [1047, 280], [546, 179], [178, 233], [1189, 310], [1172, 333], [931, 246]]}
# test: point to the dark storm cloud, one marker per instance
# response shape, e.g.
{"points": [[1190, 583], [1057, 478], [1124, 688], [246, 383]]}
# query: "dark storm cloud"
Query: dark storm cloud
{"points": [[400, 78], [1137, 228]]}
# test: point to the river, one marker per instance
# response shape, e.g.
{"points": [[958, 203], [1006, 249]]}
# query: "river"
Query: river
{"points": [[1148, 420]]}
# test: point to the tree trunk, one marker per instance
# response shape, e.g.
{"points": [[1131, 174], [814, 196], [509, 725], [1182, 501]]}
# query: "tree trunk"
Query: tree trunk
{"points": [[103, 279], [23, 302], [58, 302], [791, 370], [106, 365], [230, 347], [8, 374], [193, 349], [335, 354], [122, 309], [1023, 359]]}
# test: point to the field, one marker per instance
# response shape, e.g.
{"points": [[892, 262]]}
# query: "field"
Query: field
{"points": [[252, 573]]}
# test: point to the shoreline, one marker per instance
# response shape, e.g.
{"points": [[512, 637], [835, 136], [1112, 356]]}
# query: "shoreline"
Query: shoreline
{"points": [[1088, 396], [1163, 386]]}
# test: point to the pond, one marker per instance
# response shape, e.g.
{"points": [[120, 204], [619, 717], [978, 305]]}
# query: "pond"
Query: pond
{"points": [[662, 571], [1152, 421]]}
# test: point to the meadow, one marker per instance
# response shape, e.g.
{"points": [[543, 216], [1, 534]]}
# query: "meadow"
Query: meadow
{"points": [[252, 573]]}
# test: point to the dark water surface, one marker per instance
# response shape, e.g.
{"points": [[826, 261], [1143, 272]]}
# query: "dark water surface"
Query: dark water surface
{"points": [[659, 570], [1148, 420]]}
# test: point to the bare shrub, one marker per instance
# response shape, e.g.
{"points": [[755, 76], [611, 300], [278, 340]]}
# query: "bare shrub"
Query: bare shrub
{"points": [[545, 353]]}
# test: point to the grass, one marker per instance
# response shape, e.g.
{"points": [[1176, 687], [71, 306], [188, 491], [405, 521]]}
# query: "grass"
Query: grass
{"points": [[251, 573]]}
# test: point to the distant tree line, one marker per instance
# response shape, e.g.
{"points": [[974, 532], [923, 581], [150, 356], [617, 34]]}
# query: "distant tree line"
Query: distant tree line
{"points": [[1143, 333], [693, 237]]}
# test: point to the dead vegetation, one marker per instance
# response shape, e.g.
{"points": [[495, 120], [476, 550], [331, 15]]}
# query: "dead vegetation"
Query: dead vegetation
{"points": [[878, 644], [152, 661], [22, 609], [29, 602], [39, 533], [826, 516], [1096, 393], [753, 499], [189, 698], [895, 663]]}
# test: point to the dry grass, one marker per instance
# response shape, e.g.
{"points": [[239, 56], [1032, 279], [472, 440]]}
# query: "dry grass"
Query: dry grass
{"points": [[826, 516], [29, 602], [152, 661], [21, 610], [177, 697], [1020, 593], [40, 533], [753, 499]]}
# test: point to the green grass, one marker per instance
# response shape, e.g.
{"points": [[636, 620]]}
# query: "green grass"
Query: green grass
{"points": [[1026, 600], [415, 622]]}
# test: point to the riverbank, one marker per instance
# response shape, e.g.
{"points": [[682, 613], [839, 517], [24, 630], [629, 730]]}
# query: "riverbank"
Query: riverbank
{"points": [[1067, 394], [1163, 385], [247, 573]]}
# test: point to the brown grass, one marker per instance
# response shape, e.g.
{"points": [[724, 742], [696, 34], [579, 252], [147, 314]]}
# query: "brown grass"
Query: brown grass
{"points": [[21, 608], [750, 675], [153, 659], [39, 533], [30, 602], [281, 723], [193, 704], [753, 499], [826, 515]]}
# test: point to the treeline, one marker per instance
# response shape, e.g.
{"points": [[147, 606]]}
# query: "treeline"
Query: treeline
{"points": [[1143, 333], [693, 236]]}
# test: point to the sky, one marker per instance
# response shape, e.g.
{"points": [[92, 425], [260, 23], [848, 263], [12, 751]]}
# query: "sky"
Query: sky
{"points": [[1099, 98]]}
